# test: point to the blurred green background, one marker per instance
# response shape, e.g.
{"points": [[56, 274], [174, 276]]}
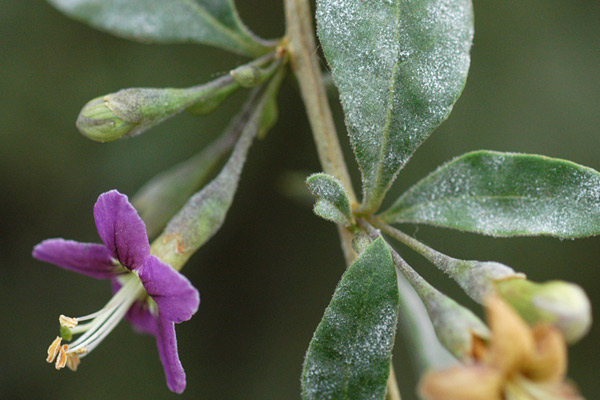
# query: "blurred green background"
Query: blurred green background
{"points": [[266, 278]]}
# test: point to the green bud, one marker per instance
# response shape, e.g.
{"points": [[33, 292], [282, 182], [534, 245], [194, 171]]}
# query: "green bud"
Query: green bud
{"points": [[247, 76], [129, 112], [562, 304], [454, 325], [99, 123], [253, 74], [477, 278]]}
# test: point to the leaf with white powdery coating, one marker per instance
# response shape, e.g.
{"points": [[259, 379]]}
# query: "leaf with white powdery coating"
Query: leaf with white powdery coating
{"points": [[400, 65], [332, 203], [212, 22], [505, 194], [349, 355]]}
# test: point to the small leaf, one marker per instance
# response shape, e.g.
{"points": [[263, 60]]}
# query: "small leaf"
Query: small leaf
{"points": [[161, 197], [400, 65], [505, 194], [332, 203], [349, 355], [204, 213], [209, 22]]}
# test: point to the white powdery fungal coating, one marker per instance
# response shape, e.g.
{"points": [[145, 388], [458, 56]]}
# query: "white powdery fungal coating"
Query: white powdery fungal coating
{"points": [[205, 21], [399, 65], [350, 353], [505, 194]]}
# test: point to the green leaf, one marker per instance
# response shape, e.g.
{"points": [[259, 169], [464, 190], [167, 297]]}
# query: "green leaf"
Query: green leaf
{"points": [[212, 22], [349, 355], [204, 213], [162, 197], [505, 194], [332, 203], [399, 65]]}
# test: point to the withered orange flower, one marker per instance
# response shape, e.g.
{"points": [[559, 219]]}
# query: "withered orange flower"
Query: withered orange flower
{"points": [[518, 363]]}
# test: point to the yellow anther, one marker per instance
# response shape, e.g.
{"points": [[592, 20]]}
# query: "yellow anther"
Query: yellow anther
{"points": [[67, 321], [82, 350], [53, 349], [61, 360], [73, 361]]}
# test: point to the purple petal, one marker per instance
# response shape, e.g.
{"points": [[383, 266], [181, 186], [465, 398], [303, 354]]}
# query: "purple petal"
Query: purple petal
{"points": [[121, 229], [86, 258], [175, 296], [167, 350], [142, 319]]}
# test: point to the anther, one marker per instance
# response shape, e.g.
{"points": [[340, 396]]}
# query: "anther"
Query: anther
{"points": [[61, 360], [67, 321], [53, 349], [73, 361]]}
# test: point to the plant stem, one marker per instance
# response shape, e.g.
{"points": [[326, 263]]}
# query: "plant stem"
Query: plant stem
{"points": [[304, 63], [445, 263]]}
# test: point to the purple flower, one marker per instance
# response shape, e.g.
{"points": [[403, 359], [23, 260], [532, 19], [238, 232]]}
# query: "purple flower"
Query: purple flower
{"points": [[150, 293]]}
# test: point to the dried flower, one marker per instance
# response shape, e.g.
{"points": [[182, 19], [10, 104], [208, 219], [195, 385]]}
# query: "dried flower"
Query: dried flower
{"points": [[518, 363]]}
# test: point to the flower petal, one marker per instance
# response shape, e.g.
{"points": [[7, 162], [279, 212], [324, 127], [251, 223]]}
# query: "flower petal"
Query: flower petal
{"points": [[86, 258], [121, 229], [175, 296], [549, 362], [142, 318], [462, 383], [512, 343], [167, 350]]}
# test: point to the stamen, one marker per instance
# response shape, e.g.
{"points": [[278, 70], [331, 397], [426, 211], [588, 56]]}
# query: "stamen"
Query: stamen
{"points": [[93, 332], [61, 360], [73, 361], [53, 349], [67, 321]]}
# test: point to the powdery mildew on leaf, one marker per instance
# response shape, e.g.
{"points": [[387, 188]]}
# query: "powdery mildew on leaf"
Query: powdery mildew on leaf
{"points": [[349, 355], [213, 22], [332, 203], [400, 65], [505, 194]]}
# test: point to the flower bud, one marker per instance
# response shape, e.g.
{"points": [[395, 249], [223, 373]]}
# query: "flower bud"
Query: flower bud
{"points": [[253, 74], [129, 112], [99, 123], [562, 304], [477, 278], [455, 326], [247, 75]]}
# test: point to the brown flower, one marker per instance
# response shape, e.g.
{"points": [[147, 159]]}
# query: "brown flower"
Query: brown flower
{"points": [[518, 363]]}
